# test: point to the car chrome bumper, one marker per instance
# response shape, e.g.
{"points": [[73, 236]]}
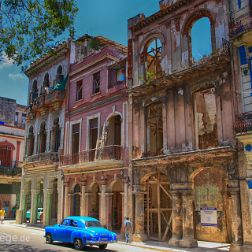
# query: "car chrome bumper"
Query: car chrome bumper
{"points": [[99, 242]]}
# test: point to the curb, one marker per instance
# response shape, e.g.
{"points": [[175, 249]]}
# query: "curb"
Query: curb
{"points": [[146, 247]]}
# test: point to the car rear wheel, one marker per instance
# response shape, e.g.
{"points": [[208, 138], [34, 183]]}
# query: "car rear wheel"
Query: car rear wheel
{"points": [[49, 239], [78, 244], [103, 246]]}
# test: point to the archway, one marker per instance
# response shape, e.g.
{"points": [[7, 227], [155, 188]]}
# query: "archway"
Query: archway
{"points": [[76, 200], [117, 190], [210, 194], [94, 203], [158, 207]]}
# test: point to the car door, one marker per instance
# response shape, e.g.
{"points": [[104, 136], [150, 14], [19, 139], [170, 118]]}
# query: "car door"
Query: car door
{"points": [[70, 229], [60, 231]]}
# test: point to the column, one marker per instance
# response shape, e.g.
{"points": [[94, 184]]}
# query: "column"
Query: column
{"points": [[188, 240], [60, 188], [123, 211], [47, 206], [34, 206], [21, 212], [139, 234], [83, 210], [66, 201], [109, 210], [236, 220], [176, 218], [102, 205], [164, 118]]}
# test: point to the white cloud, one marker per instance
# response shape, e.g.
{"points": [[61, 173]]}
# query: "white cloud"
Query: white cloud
{"points": [[5, 61], [17, 76]]}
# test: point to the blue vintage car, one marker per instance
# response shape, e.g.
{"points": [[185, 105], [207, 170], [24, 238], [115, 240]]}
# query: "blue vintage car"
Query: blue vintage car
{"points": [[80, 231]]}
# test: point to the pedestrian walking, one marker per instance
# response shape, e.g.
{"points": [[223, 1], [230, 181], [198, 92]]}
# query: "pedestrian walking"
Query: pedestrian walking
{"points": [[127, 229], [2, 213]]}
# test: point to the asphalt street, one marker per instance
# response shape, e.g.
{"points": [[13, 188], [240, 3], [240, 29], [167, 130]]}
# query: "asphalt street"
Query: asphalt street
{"points": [[15, 239]]}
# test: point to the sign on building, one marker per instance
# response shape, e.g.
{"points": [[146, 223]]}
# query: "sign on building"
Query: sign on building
{"points": [[208, 216]]}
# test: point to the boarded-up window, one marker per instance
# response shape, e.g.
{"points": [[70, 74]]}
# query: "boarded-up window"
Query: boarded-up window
{"points": [[154, 138], [206, 124]]}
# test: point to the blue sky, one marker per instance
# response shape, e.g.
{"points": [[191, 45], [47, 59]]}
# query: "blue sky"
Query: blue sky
{"points": [[95, 17]]}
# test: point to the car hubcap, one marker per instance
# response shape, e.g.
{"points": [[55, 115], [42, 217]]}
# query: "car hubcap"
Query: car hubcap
{"points": [[77, 244], [48, 238]]}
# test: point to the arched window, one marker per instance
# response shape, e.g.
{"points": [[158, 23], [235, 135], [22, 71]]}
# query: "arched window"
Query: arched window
{"points": [[201, 39], [30, 142], [34, 91], [152, 57], [46, 82], [59, 76], [42, 138], [55, 135]]}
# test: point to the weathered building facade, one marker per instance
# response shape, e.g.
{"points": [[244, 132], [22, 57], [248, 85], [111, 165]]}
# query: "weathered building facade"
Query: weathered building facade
{"points": [[183, 156], [42, 181], [12, 121], [95, 147], [241, 41]]}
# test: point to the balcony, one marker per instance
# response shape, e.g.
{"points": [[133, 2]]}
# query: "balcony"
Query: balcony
{"points": [[53, 100], [241, 26], [42, 158], [112, 152], [243, 124]]}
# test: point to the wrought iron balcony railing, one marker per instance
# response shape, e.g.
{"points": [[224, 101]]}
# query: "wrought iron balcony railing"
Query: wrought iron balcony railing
{"points": [[112, 152], [243, 124], [40, 157]]}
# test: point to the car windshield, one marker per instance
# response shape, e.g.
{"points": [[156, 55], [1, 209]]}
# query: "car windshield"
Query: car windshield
{"points": [[93, 224]]}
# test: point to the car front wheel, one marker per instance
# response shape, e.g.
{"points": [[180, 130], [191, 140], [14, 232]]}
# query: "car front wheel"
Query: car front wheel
{"points": [[49, 239], [78, 244], [103, 246]]}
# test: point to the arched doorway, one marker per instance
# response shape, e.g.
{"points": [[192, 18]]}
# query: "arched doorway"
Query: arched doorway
{"points": [[158, 207], [76, 200], [210, 196], [117, 190], [94, 203]]}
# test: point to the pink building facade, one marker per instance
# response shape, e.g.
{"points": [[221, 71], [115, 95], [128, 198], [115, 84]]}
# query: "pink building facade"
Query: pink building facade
{"points": [[95, 162]]}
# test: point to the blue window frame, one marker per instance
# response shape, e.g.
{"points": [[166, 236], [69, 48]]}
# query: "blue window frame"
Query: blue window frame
{"points": [[239, 4], [243, 55]]}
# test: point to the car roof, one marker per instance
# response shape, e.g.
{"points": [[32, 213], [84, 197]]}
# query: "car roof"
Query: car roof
{"points": [[81, 218]]}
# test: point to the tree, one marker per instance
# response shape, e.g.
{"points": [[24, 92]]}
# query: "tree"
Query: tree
{"points": [[31, 28]]}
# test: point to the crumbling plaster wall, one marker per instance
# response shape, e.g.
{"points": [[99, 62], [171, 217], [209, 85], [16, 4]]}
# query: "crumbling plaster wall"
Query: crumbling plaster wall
{"points": [[170, 30]]}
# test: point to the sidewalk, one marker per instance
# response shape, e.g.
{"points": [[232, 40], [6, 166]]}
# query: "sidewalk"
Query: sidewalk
{"points": [[163, 246], [154, 245]]}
